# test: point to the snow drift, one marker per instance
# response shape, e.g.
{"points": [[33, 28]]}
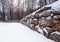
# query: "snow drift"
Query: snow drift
{"points": [[16, 32], [56, 6]]}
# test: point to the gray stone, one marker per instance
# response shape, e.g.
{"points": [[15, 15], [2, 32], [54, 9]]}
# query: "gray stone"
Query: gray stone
{"points": [[55, 37]]}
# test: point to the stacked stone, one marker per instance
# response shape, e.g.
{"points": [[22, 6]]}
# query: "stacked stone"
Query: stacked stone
{"points": [[40, 19], [43, 20]]}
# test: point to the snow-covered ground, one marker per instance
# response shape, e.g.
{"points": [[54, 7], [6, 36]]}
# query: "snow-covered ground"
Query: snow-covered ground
{"points": [[56, 6], [16, 32]]}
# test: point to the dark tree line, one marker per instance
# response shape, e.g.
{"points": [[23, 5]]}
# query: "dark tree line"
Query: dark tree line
{"points": [[11, 10]]}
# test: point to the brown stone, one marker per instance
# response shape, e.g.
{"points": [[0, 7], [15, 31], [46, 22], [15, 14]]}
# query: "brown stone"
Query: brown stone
{"points": [[35, 21], [32, 27]]}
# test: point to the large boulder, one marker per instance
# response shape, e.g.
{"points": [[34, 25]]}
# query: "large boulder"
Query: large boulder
{"points": [[43, 14]]}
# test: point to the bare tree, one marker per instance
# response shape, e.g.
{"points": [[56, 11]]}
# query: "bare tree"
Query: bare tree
{"points": [[42, 3], [3, 4]]}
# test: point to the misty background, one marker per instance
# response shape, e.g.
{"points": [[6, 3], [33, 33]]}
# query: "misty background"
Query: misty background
{"points": [[17, 9]]}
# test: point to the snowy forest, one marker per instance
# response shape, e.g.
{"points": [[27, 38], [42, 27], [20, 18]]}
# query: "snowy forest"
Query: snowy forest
{"points": [[17, 9], [29, 20]]}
